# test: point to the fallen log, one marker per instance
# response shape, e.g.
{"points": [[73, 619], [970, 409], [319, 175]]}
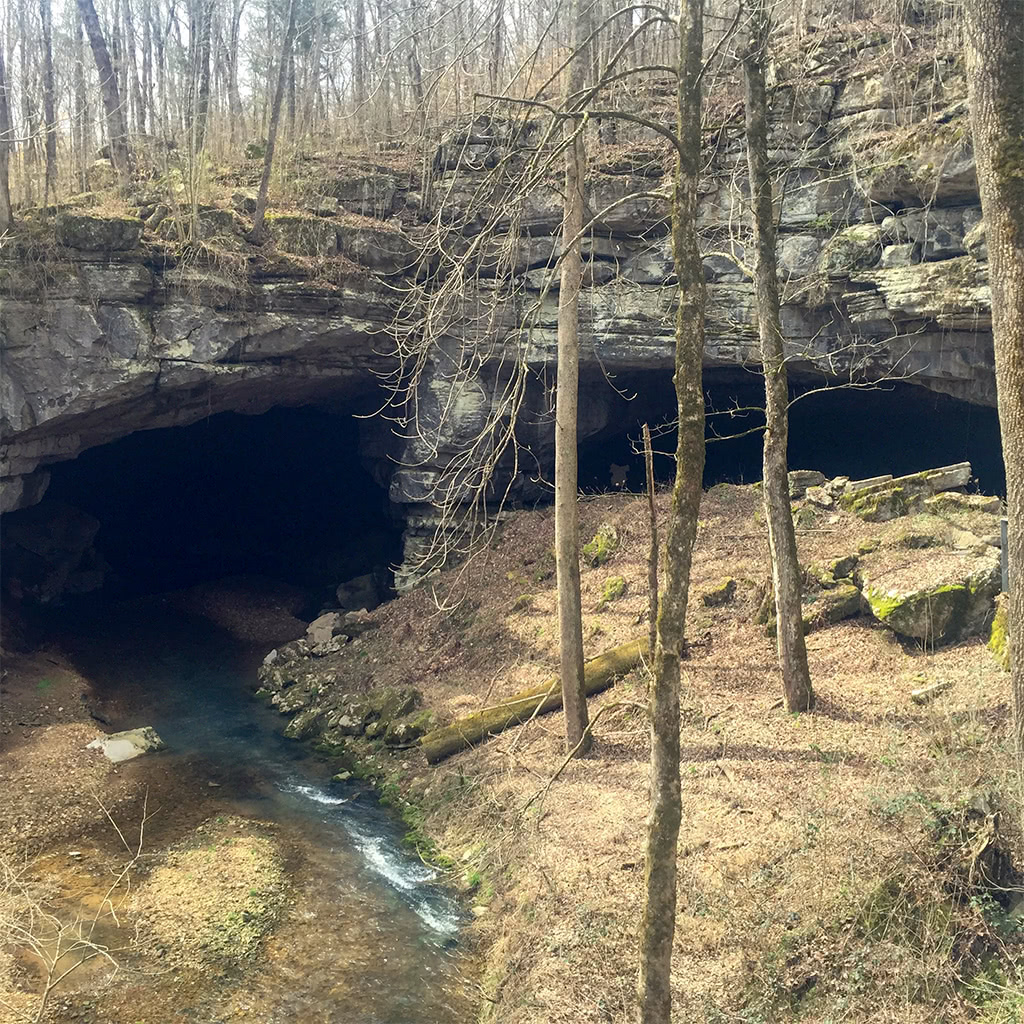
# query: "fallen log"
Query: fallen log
{"points": [[598, 675]]}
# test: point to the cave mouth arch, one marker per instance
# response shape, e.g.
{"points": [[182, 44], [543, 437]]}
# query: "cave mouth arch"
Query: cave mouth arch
{"points": [[284, 494], [894, 427]]}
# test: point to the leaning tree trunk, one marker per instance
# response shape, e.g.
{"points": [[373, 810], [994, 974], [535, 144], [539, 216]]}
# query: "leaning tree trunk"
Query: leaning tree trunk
{"points": [[796, 678], [995, 82], [657, 928], [108, 88], [567, 526], [275, 117]]}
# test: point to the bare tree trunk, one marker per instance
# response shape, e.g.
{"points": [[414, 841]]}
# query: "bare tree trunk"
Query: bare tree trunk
{"points": [[567, 526], [108, 88], [360, 51], [994, 32], [234, 97], [132, 69], [49, 104], [652, 555], [275, 117], [497, 45], [792, 651], [83, 119], [6, 216], [415, 66], [657, 928], [203, 53], [28, 129], [146, 117]]}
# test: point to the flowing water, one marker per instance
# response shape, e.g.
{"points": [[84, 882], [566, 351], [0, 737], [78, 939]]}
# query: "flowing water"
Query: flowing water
{"points": [[374, 937]]}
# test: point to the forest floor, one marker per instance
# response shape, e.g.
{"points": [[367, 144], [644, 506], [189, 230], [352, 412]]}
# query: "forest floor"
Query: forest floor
{"points": [[834, 866], [828, 863]]}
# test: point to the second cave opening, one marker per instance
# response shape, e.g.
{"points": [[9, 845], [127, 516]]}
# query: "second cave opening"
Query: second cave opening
{"points": [[893, 427]]}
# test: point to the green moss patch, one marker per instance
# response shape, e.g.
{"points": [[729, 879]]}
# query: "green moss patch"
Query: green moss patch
{"points": [[603, 545], [999, 638]]}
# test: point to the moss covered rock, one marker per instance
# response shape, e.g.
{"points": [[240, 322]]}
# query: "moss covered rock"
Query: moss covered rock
{"points": [[603, 545], [302, 234], [879, 506], [614, 587], [97, 233], [407, 730], [853, 248], [721, 593], [937, 614], [825, 608], [389, 252]]}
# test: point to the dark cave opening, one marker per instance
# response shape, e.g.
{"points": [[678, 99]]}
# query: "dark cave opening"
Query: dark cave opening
{"points": [[894, 427], [281, 495]]}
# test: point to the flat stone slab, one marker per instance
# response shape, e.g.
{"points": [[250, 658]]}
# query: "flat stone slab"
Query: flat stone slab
{"points": [[123, 746]]}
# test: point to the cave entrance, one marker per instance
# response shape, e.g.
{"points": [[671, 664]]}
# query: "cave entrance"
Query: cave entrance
{"points": [[282, 495], [895, 427]]}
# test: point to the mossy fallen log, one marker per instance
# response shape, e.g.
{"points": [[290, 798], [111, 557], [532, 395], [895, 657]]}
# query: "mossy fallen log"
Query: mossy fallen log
{"points": [[471, 729]]}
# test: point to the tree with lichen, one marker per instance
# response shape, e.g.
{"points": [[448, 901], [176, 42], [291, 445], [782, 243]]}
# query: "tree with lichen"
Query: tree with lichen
{"points": [[567, 517], [792, 651], [657, 929], [994, 34]]}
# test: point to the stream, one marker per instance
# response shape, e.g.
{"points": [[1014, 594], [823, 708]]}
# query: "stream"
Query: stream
{"points": [[378, 942]]}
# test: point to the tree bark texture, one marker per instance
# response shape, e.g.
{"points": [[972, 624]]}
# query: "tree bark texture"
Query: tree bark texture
{"points": [[275, 117], [567, 527], [657, 927], [49, 103], [652, 553], [994, 34], [108, 87], [792, 651], [5, 147]]}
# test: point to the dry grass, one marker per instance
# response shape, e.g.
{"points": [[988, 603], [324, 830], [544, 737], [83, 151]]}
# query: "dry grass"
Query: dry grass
{"points": [[809, 841]]}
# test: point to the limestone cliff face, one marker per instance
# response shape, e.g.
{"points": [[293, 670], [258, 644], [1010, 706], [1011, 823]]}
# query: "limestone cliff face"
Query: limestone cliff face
{"points": [[106, 329]]}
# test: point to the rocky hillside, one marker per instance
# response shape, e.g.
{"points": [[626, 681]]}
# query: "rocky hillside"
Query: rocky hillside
{"points": [[110, 324]]}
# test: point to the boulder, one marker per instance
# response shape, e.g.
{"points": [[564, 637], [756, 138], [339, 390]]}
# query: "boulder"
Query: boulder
{"points": [[214, 223], [942, 612], [389, 252], [904, 254], [826, 607], [407, 730], [890, 498], [954, 501], [48, 549], [302, 234], [305, 724], [854, 248], [721, 593], [359, 593], [801, 479], [324, 628], [830, 606], [820, 497], [975, 241], [102, 174], [798, 255], [95, 233], [123, 746], [244, 202]]}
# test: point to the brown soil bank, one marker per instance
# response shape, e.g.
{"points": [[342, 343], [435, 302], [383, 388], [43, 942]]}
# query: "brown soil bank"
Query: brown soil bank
{"points": [[855, 863]]}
